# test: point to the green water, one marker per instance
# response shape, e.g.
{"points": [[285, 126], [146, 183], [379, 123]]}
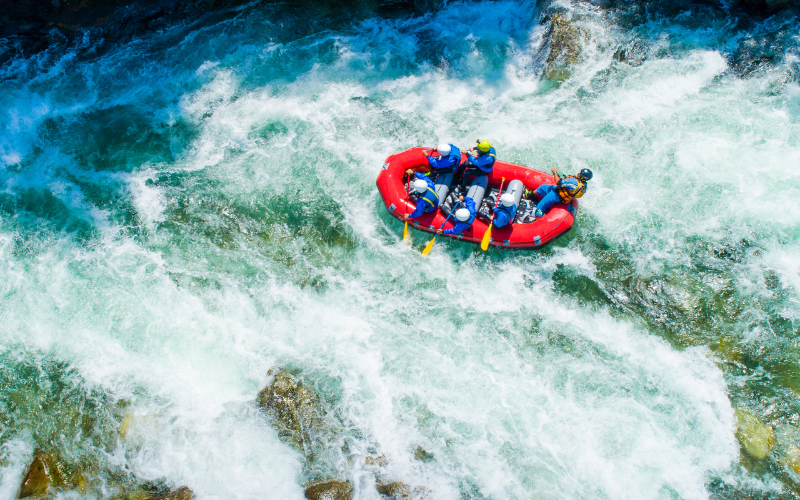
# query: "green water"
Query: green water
{"points": [[182, 212]]}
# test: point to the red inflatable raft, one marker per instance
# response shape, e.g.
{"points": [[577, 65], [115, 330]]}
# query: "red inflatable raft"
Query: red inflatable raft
{"points": [[392, 186]]}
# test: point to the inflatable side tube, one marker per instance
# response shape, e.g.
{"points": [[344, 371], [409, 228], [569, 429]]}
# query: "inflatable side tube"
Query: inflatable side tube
{"points": [[478, 189], [443, 186], [516, 188]]}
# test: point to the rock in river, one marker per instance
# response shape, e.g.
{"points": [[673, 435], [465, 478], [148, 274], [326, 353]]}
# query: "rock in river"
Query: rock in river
{"points": [[756, 437], [294, 409], [331, 490], [565, 47], [42, 474]]}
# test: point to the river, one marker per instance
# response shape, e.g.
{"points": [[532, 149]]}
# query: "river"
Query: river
{"points": [[184, 210]]}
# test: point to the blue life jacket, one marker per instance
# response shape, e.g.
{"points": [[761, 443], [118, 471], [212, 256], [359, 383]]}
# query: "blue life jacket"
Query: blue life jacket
{"points": [[503, 215], [484, 161], [427, 201], [460, 227], [446, 164], [430, 197]]}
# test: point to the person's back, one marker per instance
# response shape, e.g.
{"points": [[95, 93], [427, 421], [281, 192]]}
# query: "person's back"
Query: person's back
{"points": [[570, 187], [504, 211], [482, 158], [447, 160], [464, 217], [427, 199], [564, 190], [480, 162]]}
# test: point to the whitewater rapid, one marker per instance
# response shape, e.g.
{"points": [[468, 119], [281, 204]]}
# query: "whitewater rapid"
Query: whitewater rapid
{"points": [[184, 211]]}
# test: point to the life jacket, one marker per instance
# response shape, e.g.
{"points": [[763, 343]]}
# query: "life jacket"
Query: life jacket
{"points": [[471, 216], [454, 160], [484, 161], [569, 191], [430, 197], [470, 220], [508, 210]]}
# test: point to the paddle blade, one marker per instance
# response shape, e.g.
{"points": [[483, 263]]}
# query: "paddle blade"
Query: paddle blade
{"points": [[486, 237], [428, 247], [406, 237]]}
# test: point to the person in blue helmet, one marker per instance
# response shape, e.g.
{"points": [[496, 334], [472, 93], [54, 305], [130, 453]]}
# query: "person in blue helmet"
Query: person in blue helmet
{"points": [[480, 161], [504, 211], [464, 217], [447, 159], [565, 190], [427, 199]]}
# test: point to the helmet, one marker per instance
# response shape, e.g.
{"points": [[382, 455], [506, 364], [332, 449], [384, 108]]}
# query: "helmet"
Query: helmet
{"points": [[484, 146], [586, 174], [420, 186], [507, 199], [462, 214], [443, 149]]}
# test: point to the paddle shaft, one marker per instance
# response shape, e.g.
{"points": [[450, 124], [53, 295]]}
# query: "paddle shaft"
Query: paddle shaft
{"points": [[406, 239], [452, 211], [499, 192], [433, 240], [488, 234]]}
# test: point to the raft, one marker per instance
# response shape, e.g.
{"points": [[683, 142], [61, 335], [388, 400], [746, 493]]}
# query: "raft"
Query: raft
{"points": [[525, 232]]}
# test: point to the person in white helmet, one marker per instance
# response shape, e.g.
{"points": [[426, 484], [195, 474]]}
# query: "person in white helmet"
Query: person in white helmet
{"points": [[427, 199], [445, 159], [464, 217], [504, 211]]}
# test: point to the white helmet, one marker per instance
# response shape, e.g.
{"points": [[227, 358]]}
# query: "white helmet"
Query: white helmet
{"points": [[420, 186], [507, 199], [443, 149], [462, 214]]}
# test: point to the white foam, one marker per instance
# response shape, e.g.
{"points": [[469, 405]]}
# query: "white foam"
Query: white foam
{"points": [[515, 389]]}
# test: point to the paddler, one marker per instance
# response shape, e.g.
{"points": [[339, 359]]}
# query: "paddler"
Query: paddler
{"points": [[504, 211], [480, 161], [464, 217], [444, 159], [565, 190], [427, 199]]}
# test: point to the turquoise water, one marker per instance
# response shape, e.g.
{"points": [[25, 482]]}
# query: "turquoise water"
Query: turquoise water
{"points": [[183, 211]]}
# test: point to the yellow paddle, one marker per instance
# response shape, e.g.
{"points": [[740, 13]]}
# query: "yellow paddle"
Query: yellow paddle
{"points": [[428, 247], [406, 237], [488, 234]]}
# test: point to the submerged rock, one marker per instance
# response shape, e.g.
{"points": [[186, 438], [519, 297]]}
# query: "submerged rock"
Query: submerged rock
{"points": [[755, 437], [401, 491], [42, 474], [395, 490], [632, 54], [331, 490], [183, 493], [294, 409], [564, 48], [49, 473], [788, 440], [422, 455], [379, 461]]}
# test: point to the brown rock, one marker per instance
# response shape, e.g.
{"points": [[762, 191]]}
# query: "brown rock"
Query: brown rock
{"points": [[395, 490], [379, 461], [565, 47], [632, 54], [756, 437], [422, 455], [42, 474], [179, 494], [331, 490], [294, 408]]}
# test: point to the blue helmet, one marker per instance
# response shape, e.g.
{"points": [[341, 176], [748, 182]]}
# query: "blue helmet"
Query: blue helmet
{"points": [[585, 174]]}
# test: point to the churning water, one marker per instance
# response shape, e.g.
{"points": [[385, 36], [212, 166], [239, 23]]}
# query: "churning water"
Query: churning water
{"points": [[185, 210]]}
